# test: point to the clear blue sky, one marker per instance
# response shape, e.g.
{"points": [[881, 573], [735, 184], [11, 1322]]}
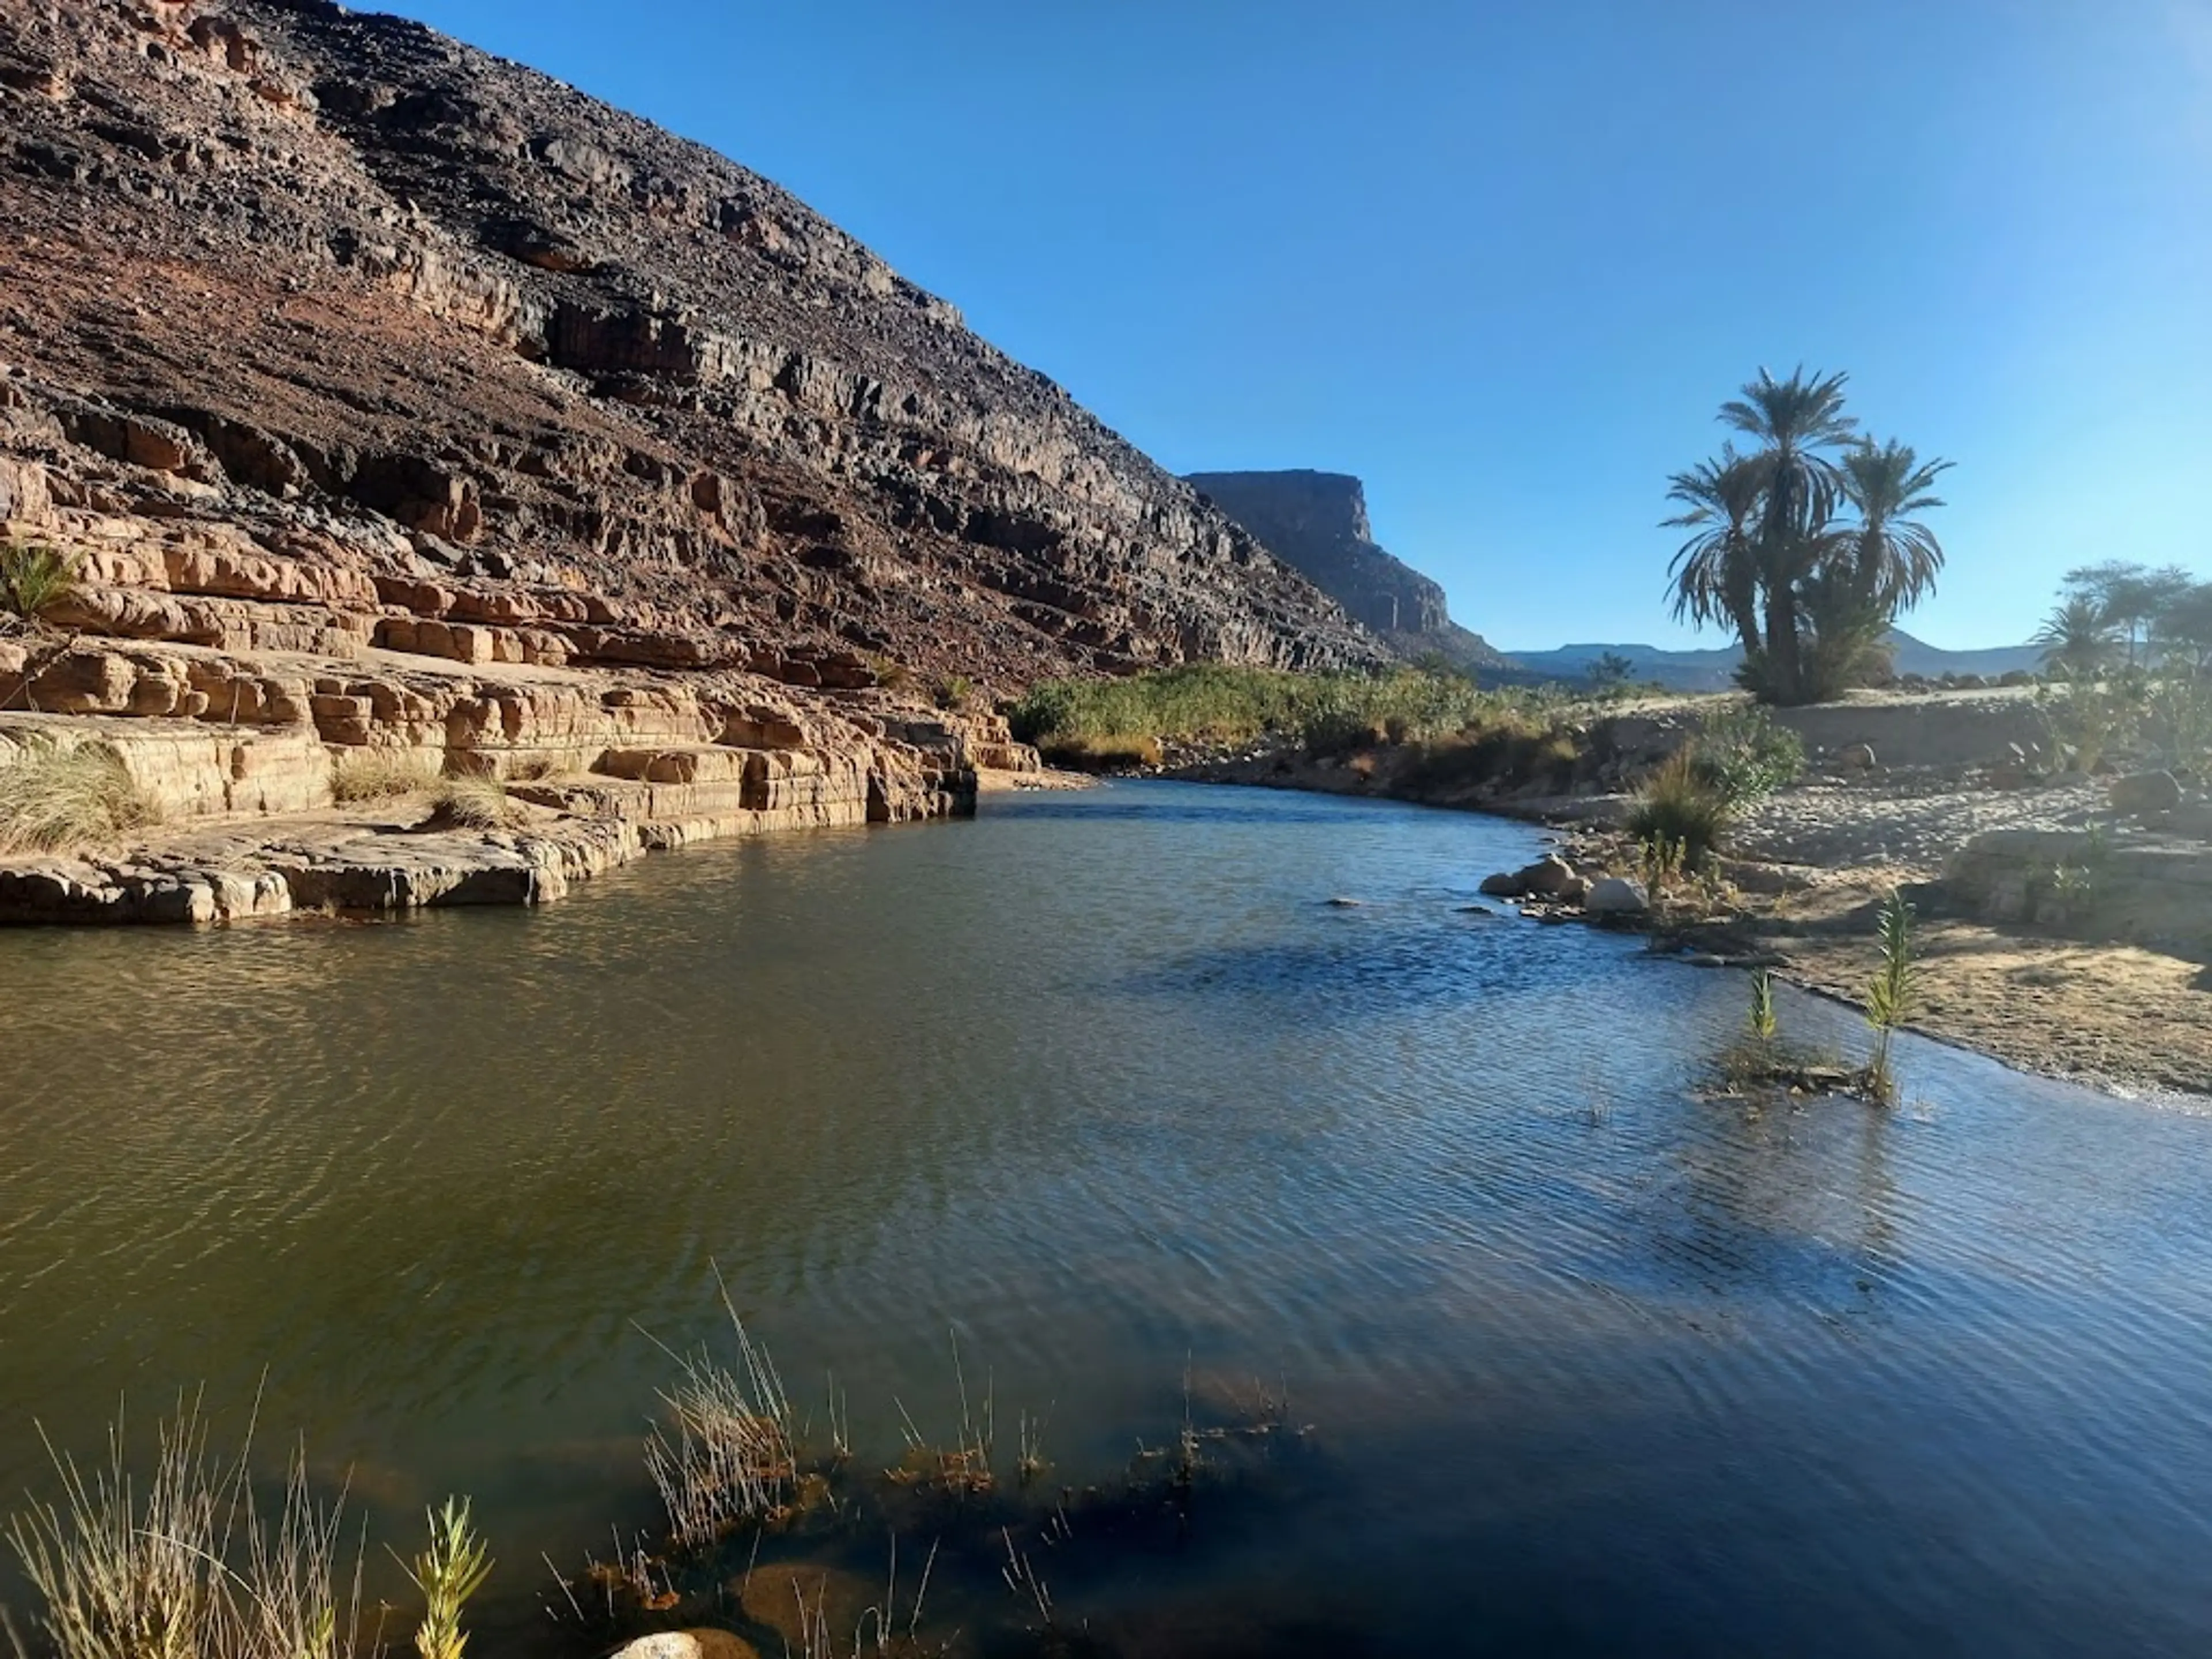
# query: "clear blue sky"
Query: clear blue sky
{"points": [[1503, 260]]}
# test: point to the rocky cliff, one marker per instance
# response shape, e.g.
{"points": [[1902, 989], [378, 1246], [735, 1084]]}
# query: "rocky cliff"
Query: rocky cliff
{"points": [[1317, 523], [391, 394], [426, 315]]}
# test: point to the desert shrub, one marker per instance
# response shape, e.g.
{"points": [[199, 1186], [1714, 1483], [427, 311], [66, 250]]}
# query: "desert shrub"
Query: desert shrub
{"points": [[953, 692], [366, 774], [34, 580], [471, 803], [54, 797], [890, 674], [1678, 809], [2091, 718], [1331, 731], [1743, 755], [2178, 717]]}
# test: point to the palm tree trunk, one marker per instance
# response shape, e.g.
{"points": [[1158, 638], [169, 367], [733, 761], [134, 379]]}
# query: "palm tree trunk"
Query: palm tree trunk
{"points": [[1784, 673]]}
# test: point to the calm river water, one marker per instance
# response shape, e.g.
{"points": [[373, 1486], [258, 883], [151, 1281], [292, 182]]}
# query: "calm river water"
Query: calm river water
{"points": [[1104, 1084]]}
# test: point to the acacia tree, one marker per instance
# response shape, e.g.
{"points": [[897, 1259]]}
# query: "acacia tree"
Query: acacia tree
{"points": [[2130, 596], [1809, 596]]}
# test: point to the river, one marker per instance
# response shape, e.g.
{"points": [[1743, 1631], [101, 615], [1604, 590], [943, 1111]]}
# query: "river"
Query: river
{"points": [[1102, 1089]]}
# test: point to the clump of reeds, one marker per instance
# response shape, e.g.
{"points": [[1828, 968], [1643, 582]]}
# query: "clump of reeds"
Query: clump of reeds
{"points": [[368, 775], [186, 1567], [34, 579], [1677, 807], [953, 692], [1890, 993], [451, 1569], [728, 1455], [963, 1467], [56, 796]]}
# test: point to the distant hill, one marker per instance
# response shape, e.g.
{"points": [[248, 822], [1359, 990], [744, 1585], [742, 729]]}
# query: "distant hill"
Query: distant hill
{"points": [[1715, 670]]}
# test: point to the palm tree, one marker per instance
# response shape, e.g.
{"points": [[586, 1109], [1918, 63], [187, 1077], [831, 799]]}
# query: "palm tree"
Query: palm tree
{"points": [[1793, 421], [2079, 638], [1892, 558], [1715, 574]]}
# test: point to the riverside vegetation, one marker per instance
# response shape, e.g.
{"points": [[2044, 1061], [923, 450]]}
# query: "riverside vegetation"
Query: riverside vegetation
{"points": [[192, 1564]]}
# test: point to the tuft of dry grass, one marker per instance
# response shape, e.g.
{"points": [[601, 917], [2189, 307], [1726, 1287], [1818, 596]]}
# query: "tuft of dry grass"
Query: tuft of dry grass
{"points": [[1678, 808], [367, 775], [471, 803], [187, 1568], [55, 797]]}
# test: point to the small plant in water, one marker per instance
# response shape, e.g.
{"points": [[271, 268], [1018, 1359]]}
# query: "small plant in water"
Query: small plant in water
{"points": [[1890, 994], [1763, 1022], [451, 1570]]}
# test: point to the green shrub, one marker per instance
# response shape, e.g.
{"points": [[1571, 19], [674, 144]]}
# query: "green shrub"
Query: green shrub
{"points": [[1215, 703], [953, 691], [34, 579], [54, 797], [1678, 812], [1743, 755]]}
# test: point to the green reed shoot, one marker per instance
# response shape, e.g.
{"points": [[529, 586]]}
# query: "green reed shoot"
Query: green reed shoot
{"points": [[1763, 1022], [448, 1574], [1890, 994]]}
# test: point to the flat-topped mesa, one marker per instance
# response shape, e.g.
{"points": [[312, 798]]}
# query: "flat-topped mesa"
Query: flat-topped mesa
{"points": [[1316, 522], [386, 303]]}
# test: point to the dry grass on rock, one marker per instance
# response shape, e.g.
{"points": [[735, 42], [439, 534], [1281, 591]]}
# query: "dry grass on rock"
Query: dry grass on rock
{"points": [[55, 797]]}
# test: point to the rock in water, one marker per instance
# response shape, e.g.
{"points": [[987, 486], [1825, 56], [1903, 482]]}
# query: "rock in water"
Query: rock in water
{"points": [[1504, 885], [1549, 878], [1617, 895]]}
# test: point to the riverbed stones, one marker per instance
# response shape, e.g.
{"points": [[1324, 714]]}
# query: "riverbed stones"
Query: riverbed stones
{"points": [[2141, 793], [688, 1644], [1617, 895]]}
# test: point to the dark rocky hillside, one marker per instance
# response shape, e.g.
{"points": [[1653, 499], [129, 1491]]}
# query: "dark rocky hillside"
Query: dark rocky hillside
{"points": [[395, 307], [1317, 522]]}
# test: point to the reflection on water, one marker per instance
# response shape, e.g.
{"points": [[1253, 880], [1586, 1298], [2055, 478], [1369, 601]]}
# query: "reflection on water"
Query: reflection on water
{"points": [[1104, 1083]]}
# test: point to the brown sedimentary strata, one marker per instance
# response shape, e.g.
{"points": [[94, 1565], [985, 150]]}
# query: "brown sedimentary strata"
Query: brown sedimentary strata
{"points": [[389, 395], [389, 304]]}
